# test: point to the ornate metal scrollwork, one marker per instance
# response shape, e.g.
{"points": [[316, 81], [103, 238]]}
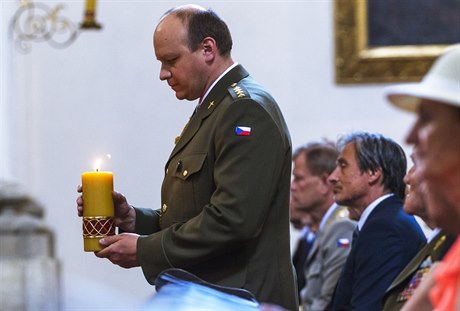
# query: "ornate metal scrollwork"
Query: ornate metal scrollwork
{"points": [[36, 22]]}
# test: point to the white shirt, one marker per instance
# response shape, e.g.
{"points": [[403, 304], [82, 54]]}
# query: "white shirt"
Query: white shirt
{"points": [[370, 208]]}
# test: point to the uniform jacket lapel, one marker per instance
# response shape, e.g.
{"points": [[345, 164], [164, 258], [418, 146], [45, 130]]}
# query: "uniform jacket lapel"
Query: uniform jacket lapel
{"points": [[315, 247], [208, 105], [336, 214], [418, 259]]}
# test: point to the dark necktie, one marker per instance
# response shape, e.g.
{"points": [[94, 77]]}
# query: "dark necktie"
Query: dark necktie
{"points": [[300, 256], [355, 236]]}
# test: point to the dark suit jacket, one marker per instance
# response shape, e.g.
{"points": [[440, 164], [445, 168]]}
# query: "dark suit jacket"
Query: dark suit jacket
{"points": [[225, 197], [299, 258], [388, 240], [436, 249]]}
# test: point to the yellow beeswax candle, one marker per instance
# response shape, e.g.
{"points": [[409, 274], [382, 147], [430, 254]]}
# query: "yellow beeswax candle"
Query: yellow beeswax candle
{"points": [[98, 209]]}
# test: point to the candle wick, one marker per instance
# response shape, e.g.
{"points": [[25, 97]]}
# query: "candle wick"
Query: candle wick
{"points": [[97, 170]]}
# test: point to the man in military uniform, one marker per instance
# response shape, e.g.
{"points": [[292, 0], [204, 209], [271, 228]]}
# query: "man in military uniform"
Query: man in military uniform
{"points": [[312, 193], [224, 212]]}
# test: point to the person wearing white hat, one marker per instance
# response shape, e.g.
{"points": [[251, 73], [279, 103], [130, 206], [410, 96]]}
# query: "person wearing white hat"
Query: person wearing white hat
{"points": [[436, 136]]}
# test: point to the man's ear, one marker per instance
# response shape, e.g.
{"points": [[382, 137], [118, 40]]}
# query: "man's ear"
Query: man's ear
{"points": [[209, 49], [374, 175], [326, 186]]}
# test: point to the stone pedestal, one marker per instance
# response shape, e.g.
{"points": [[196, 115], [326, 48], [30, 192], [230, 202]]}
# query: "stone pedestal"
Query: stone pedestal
{"points": [[29, 273]]}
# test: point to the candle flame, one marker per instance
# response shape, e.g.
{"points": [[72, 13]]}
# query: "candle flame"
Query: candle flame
{"points": [[98, 162], [97, 165]]}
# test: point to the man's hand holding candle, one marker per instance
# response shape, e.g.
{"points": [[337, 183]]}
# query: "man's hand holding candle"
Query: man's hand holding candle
{"points": [[125, 216], [119, 249]]}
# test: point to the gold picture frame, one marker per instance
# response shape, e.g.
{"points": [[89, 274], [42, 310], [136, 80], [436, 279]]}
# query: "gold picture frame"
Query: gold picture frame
{"points": [[356, 62]]}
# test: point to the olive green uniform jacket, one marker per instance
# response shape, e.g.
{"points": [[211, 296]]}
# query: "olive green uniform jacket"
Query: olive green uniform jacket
{"points": [[435, 250], [224, 212]]}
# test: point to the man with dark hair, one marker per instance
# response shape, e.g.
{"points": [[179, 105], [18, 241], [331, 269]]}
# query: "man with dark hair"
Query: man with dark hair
{"points": [[202, 24], [224, 212], [368, 180], [312, 193]]}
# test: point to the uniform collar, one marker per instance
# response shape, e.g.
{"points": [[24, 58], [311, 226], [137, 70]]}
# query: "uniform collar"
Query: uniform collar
{"points": [[215, 82]]}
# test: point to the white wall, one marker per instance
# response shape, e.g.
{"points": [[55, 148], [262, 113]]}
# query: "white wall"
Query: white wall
{"points": [[102, 95]]}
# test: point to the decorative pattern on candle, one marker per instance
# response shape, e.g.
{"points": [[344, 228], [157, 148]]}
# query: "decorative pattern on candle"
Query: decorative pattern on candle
{"points": [[98, 209], [98, 227]]}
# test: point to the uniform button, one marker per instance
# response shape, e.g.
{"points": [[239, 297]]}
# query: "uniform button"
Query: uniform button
{"points": [[185, 173], [164, 208], [167, 170]]}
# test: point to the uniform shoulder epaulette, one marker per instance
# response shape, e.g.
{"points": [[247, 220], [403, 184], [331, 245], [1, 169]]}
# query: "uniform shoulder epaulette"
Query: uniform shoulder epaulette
{"points": [[238, 91]]}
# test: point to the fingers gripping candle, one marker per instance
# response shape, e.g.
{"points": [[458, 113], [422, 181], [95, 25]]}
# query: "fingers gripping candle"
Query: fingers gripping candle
{"points": [[98, 209]]}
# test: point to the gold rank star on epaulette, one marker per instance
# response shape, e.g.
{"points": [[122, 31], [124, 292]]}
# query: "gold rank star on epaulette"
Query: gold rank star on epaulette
{"points": [[237, 91]]}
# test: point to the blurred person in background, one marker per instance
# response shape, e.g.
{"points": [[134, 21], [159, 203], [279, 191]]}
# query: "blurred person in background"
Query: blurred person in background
{"points": [[439, 242], [436, 138], [312, 196]]}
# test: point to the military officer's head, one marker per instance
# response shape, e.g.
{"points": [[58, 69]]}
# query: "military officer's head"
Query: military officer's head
{"points": [[193, 45]]}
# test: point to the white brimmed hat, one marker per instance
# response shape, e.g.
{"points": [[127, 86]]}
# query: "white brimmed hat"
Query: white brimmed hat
{"points": [[441, 84]]}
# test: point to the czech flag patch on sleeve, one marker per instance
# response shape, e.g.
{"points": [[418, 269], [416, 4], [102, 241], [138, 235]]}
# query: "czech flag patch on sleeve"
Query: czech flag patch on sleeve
{"points": [[343, 242], [243, 131]]}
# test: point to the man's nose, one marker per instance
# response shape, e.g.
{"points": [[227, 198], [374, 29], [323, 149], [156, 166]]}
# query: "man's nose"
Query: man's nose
{"points": [[164, 74], [333, 177]]}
